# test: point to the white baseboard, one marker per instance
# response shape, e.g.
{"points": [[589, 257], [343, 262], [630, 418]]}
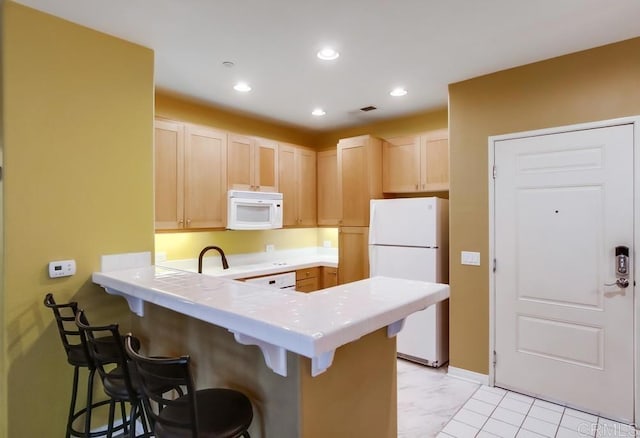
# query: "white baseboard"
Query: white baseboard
{"points": [[470, 376]]}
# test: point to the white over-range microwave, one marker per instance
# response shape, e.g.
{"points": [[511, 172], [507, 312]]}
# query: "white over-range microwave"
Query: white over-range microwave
{"points": [[254, 210]]}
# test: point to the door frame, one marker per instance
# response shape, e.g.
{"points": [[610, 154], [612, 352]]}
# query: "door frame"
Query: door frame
{"points": [[635, 121]]}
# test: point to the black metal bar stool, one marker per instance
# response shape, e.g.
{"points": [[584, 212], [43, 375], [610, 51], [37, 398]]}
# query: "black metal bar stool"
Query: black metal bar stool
{"points": [[77, 356], [214, 412], [120, 382]]}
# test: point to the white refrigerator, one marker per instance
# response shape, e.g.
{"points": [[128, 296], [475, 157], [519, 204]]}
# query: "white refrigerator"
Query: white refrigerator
{"points": [[409, 238]]}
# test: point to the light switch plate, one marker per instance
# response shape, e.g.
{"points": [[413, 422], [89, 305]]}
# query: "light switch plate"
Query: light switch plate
{"points": [[270, 248], [62, 268], [470, 258]]}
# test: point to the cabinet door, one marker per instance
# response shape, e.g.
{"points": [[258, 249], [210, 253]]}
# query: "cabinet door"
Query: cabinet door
{"points": [[435, 161], [328, 195], [329, 277], [353, 254], [266, 165], [401, 165], [205, 178], [306, 185], [169, 175], [240, 162], [352, 182], [287, 184]]}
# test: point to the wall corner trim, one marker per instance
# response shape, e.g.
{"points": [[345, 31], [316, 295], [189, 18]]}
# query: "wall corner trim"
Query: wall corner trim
{"points": [[470, 376]]}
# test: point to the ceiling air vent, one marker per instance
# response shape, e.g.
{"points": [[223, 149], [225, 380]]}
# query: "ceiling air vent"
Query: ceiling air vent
{"points": [[366, 109]]}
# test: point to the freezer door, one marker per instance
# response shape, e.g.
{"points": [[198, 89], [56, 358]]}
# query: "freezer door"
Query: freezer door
{"points": [[406, 222], [424, 264]]}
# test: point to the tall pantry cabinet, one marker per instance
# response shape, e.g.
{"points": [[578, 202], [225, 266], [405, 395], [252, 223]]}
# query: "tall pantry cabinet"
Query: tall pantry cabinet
{"points": [[359, 169]]}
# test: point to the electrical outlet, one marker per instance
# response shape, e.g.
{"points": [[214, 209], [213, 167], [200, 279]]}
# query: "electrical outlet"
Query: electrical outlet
{"points": [[270, 248], [326, 244], [62, 268]]}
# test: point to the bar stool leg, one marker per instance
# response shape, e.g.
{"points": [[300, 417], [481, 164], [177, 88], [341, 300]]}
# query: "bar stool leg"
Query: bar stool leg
{"points": [[87, 418], [72, 406]]}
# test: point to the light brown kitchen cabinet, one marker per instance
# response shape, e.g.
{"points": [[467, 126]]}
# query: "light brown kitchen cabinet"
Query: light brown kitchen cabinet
{"points": [[359, 166], [308, 280], [329, 277], [328, 204], [252, 163], [418, 163], [353, 254], [190, 176], [297, 183]]}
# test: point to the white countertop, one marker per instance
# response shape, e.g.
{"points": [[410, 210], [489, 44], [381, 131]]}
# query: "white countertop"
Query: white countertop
{"points": [[309, 324]]}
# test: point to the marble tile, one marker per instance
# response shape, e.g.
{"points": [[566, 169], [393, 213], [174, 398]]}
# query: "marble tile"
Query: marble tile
{"points": [[428, 399], [460, 430], [548, 405], [515, 405], [488, 396], [539, 426], [581, 415], [471, 418], [524, 433], [548, 415], [501, 429], [479, 406], [508, 416]]}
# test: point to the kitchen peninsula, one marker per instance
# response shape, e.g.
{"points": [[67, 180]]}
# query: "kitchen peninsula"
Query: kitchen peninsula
{"points": [[325, 365]]}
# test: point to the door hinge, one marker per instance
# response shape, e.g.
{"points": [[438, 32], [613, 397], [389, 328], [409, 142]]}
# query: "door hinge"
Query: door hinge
{"points": [[495, 264], [495, 172], [495, 358]]}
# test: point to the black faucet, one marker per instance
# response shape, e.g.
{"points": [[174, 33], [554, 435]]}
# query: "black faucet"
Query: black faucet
{"points": [[225, 264]]}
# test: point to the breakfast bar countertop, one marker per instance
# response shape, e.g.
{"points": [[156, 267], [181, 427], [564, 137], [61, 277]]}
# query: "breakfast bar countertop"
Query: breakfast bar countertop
{"points": [[313, 325]]}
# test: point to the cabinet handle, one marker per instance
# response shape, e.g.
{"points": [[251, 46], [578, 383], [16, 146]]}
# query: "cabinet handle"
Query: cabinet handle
{"points": [[417, 185], [181, 222], [188, 222]]}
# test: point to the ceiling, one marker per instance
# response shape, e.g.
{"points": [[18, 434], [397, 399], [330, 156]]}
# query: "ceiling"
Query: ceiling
{"points": [[421, 45]]}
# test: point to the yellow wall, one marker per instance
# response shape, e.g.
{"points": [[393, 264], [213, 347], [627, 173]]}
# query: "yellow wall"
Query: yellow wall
{"points": [[187, 245], [78, 113], [3, 334], [412, 124], [597, 84], [177, 108]]}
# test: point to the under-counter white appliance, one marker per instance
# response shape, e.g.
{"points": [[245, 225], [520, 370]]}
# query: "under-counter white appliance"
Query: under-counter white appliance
{"points": [[409, 238], [286, 280], [254, 210]]}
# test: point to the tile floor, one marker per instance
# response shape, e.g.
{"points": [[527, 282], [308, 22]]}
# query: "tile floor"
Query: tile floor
{"points": [[432, 404], [428, 399]]}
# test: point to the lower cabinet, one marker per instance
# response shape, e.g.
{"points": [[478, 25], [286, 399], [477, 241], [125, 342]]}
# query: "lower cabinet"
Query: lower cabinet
{"points": [[329, 277], [308, 280], [353, 254]]}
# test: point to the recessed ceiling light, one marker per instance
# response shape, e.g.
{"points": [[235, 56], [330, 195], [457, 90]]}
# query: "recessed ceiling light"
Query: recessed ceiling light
{"points": [[318, 112], [328, 54], [242, 87], [396, 92], [228, 64]]}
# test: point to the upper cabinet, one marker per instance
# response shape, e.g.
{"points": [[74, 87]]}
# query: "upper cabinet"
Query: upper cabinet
{"points": [[190, 176], [417, 163], [359, 168], [252, 164], [169, 175], [328, 206], [297, 182]]}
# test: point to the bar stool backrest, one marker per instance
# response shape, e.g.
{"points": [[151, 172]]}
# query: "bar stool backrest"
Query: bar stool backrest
{"points": [[105, 347], [65, 315], [158, 374]]}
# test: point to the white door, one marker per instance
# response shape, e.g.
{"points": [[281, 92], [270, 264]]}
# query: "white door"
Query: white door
{"points": [[563, 202]]}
